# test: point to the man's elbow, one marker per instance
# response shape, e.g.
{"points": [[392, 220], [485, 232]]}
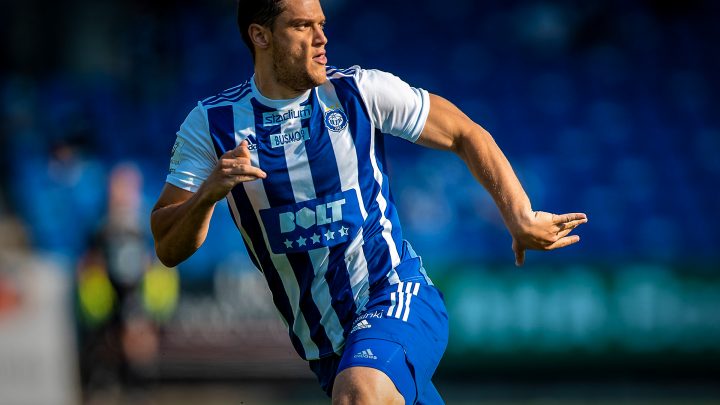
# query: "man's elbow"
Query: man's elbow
{"points": [[472, 138], [457, 144], [461, 141], [165, 258], [169, 263]]}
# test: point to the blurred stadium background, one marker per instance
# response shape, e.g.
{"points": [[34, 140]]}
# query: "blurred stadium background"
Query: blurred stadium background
{"points": [[606, 107]]}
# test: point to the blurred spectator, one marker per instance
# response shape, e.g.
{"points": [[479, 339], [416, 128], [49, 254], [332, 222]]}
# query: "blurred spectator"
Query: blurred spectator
{"points": [[119, 338]]}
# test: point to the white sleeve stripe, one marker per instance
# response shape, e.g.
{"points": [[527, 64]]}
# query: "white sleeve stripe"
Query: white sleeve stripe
{"points": [[407, 307], [400, 305], [392, 304]]}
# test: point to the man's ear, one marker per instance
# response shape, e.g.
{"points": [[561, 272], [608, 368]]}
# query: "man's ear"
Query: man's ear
{"points": [[259, 35]]}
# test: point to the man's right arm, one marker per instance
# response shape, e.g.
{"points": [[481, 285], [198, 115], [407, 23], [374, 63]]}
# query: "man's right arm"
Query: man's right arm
{"points": [[180, 218]]}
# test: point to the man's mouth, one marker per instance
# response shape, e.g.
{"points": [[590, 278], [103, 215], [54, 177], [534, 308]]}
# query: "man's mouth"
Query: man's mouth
{"points": [[320, 58]]}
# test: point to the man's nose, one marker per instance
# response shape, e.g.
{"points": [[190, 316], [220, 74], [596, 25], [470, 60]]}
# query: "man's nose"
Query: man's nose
{"points": [[320, 38]]}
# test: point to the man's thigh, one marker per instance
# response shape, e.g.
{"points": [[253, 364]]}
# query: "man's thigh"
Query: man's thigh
{"points": [[402, 333], [374, 371], [364, 385]]}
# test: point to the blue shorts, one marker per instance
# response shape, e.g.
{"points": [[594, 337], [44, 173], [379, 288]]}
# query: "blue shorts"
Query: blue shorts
{"points": [[403, 332]]}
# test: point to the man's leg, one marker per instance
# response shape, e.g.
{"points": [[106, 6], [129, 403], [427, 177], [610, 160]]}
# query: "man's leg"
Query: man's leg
{"points": [[365, 386], [374, 371], [393, 348]]}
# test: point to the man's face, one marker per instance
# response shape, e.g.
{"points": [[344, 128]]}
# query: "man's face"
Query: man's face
{"points": [[298, 45]]}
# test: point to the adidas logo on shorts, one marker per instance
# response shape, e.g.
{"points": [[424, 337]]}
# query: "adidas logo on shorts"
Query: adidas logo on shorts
{"points": [[361, 325], [365, 354]]}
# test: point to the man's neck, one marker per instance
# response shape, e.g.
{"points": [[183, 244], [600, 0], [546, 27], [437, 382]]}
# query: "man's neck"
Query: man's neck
{"points": [[268, 85]]}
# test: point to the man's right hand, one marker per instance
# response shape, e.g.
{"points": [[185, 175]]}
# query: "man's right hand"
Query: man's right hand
{"points": [[234, 167], [180, 219]]}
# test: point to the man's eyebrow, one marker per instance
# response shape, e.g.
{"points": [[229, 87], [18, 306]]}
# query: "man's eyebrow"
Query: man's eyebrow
{"points": [[295, 21]]}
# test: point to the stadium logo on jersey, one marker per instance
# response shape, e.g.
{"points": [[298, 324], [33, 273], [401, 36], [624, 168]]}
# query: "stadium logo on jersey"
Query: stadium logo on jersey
{"points": [[322, 222], [336, 120], [279, 117], [277, 140]]}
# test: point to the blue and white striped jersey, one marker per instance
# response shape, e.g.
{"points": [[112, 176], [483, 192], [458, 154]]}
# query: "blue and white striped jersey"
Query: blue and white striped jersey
{"points": [[322, 227]]}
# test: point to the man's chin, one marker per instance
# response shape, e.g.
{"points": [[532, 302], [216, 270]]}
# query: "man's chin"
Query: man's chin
{"points": [[322, 79], [319, 79]]}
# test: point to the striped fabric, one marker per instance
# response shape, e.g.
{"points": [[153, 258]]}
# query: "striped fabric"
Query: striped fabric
{"points": [[400, 300], [322, 226]]}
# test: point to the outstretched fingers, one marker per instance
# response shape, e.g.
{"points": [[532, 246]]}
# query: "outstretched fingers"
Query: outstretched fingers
{"points": [[569, 218], [564, 241], [546, 231], [237, 163], [567, 227], [247, 172], [572, 224]]}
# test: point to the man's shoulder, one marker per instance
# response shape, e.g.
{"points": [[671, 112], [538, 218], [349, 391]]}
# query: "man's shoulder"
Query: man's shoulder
{"points": [[334, 72], [228, 96], [362, 76], [359, 77]]}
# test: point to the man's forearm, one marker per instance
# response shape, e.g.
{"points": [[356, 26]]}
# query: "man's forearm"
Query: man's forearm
{"points": [[491, 168], [448, 128], [180, 229]]}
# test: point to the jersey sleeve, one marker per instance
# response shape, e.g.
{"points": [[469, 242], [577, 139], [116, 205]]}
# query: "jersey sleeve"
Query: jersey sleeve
{"points": [[193, 156], [395, 107]]}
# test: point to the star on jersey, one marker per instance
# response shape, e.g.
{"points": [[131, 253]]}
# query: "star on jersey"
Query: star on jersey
{"points": [[343, 231], [329, 235], [288, 243], [301, 241], [315, 238]]}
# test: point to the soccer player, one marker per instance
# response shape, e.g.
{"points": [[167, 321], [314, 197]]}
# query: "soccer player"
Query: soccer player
{"points": [[297, 151]]}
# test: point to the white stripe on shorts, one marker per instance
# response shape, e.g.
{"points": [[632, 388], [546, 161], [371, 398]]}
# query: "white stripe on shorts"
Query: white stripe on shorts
{"points": [[400, 300]]}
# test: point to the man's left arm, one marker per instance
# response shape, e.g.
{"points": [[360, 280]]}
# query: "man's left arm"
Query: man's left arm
{"points": [[448, 128]]}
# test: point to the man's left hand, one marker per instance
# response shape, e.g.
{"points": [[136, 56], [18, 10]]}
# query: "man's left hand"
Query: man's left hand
{"points": [[545, 231]]}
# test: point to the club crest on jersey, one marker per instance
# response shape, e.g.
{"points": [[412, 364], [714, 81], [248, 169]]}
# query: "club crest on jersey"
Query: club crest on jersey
{"points": [[336, 120]]}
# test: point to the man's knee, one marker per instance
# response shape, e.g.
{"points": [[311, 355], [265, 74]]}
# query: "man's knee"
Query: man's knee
{"points": [[365, 386]]}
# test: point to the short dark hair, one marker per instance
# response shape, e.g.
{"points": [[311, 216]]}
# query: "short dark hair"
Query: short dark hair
{"points": [[263, 12]]}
